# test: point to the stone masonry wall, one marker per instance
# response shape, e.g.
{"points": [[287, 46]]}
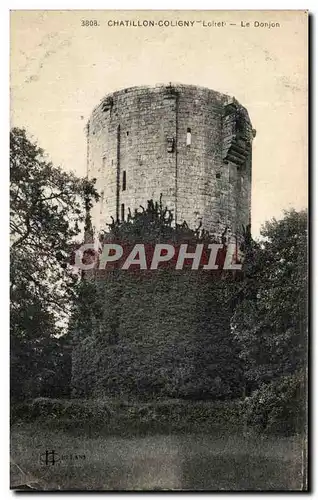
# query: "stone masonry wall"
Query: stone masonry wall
{"points": [[143, 134]]}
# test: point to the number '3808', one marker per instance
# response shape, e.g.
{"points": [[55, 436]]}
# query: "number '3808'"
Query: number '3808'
{"points": [[90, 22]]}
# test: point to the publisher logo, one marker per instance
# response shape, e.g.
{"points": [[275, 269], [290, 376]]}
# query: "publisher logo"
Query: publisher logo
{"points": [[49, 457]]}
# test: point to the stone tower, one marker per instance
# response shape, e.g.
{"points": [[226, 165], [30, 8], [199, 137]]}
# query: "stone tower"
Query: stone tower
{"points": [[162, 334], [191, 144]]}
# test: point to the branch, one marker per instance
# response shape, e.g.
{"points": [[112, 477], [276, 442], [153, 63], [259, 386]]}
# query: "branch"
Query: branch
{"points": [[24, 236]]}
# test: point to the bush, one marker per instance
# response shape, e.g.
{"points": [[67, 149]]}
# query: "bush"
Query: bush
{"points": [[278, 407], [125, 417], [74, 411]]}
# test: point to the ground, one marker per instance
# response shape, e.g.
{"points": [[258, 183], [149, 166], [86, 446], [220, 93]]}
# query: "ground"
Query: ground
{"points": [[214, 461]]}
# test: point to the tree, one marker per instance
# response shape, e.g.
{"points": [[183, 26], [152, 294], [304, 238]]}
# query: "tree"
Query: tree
{"points": [[270, 325], [47, 208], [270, 320]]}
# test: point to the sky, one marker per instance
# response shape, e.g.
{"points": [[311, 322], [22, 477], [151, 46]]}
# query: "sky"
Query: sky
{"points": [[60, 70]]}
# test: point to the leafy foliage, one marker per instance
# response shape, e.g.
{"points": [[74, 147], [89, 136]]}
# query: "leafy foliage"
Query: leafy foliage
{"points": [[155, 334], [46, 210], [278, 407], [270, 320], [112, 416], [270, 325], [150, 336]]}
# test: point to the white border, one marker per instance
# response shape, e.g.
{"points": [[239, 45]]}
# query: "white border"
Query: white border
{"points": [[161, 5], [311, 5]]}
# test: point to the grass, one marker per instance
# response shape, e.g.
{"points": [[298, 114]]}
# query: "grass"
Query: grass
{"points": [[218, 460]]}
